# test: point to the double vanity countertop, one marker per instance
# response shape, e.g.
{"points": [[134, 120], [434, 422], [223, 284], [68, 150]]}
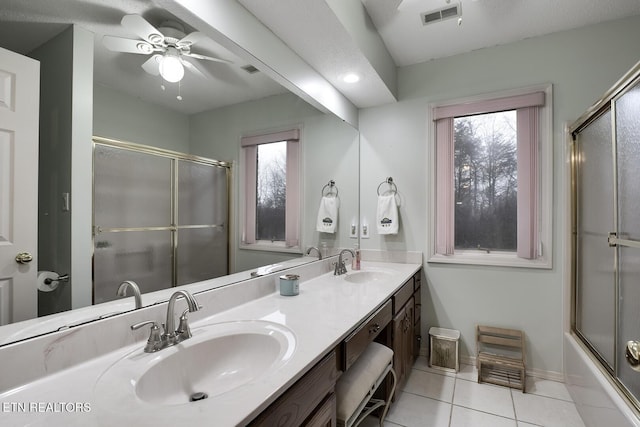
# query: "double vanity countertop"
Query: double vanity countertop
{"points": [[326, 310]]}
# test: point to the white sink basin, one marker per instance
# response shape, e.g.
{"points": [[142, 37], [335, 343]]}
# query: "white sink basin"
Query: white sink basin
{"points": [[368, 275], [217, 359]]}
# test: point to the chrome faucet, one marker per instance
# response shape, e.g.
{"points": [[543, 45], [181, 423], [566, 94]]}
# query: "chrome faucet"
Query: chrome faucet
{"points": [[170, 336], [340, 267], [122, 291], [313, 248]]}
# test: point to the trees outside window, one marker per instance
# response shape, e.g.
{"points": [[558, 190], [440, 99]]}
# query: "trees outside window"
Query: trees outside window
{"points": [[271, 191], [492, 179], [486, 181]]}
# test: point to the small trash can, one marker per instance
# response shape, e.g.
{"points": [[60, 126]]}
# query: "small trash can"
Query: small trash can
{"points": [[443, 349]]}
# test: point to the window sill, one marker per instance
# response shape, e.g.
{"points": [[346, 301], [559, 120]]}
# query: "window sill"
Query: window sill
{"points": [[496, 259], [268, 246]]}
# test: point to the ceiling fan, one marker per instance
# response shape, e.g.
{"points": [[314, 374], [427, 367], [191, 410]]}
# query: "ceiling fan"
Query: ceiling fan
{"points": [[168, 45]]}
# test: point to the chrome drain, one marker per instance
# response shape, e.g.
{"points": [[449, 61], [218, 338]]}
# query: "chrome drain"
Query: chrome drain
{"points": [[198, 396]]}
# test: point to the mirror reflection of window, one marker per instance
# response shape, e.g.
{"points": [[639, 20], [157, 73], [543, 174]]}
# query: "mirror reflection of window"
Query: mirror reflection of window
{"points": [[271, 191], [272, 176]]}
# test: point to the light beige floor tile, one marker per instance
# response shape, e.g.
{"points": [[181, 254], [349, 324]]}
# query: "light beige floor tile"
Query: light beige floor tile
{"points": [[464, 417], [547, 388], [484, 397], [468, 372], [422, 364], [372, 421], [411, 410], [546, 411], [521, 424], [428, 384]]}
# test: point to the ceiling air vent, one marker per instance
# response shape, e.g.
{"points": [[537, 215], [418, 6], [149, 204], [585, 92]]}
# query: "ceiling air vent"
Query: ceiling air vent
{"points": [[438, 15]]}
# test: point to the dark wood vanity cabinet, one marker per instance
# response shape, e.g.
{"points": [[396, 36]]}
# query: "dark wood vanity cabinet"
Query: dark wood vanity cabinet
{"points": [[367, 331], [309, 402], [325, 414], [403, 342], [405, 329]]}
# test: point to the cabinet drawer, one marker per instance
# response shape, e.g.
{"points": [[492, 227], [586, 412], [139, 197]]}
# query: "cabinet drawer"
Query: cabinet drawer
{"points": [[355, 343], [302, 399], [417, 280], [401, 297], [325, 415]]}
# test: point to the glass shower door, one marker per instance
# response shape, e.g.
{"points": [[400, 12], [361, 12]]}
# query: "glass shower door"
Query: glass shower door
{"points": [[160, 218], [627, 109], [132, 218], [595, 264], [202, 222]]}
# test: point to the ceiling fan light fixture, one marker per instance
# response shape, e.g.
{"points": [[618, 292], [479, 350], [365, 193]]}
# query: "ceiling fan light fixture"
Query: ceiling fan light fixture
{"points": [[155, 38], [171, 69], [145, 48]]}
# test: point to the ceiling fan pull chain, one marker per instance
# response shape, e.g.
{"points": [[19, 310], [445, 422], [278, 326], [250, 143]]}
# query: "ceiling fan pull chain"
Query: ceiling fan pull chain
{"points": [[179, 97]]}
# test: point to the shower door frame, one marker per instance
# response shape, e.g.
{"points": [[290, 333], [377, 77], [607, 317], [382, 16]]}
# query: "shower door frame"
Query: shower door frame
{"points": [[606, 103], [175, 157]]}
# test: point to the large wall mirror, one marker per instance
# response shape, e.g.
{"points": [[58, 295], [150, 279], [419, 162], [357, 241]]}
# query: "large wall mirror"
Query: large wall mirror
{"points": [[92, 91]]}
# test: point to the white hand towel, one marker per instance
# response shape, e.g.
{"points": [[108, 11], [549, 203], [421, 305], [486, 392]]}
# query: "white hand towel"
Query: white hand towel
{"points": [[327, 215], [387, 215]]}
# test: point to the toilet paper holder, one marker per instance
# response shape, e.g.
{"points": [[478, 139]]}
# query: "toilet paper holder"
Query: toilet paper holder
{"points": [[61, 278]]}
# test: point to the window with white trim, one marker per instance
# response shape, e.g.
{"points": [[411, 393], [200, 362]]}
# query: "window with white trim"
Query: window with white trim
{"points": [[492, 191], [271, 164]]}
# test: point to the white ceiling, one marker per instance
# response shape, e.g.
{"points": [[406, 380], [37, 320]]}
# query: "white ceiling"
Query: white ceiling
{"points": [[319, 37], [319, 31], [484, 23], [313, 31], [25, 24]]}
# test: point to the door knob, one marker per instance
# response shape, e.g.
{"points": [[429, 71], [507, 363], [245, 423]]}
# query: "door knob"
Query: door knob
{"points": [[632, 354], [24, 258]]}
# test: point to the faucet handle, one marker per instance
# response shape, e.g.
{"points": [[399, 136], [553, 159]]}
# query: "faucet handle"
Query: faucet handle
{"points": [[154, 343], [184, 331]]}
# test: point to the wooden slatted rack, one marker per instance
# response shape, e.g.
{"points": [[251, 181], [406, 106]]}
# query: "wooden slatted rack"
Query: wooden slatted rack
{"points": [[501, 356]]}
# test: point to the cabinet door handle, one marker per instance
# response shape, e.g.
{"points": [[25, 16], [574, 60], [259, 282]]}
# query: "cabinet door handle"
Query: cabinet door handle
{"points": [[374, 328]]}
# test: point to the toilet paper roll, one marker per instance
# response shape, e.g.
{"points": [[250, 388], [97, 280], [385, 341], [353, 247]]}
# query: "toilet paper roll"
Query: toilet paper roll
{"points": [[47, 281]]}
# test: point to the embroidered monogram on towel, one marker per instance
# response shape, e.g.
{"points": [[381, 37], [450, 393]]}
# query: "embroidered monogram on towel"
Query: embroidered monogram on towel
{"points": [[327, 215], [387, 215]]}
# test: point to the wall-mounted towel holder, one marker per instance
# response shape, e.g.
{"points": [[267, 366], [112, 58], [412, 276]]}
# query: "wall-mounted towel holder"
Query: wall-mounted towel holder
{"points": [[392, 186], [331, 189]]}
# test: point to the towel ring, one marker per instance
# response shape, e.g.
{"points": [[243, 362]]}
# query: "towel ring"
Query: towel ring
{"points": [[392, 186], [331, 185]]}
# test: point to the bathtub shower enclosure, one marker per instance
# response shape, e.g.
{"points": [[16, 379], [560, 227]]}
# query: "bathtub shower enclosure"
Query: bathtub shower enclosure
{"points": [[606, 232], [160, 218]]}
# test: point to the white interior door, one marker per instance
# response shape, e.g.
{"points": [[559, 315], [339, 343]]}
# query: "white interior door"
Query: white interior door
{"points": [[19, 107]]}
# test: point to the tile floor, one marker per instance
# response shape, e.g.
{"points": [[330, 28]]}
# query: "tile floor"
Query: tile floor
{"points": [[435, 398]]}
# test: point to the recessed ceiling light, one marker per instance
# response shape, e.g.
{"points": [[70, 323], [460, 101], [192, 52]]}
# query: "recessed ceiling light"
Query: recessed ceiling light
{"points": [[351, 78]]}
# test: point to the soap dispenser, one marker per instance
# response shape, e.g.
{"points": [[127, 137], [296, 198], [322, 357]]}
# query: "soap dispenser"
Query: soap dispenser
{"points": [[355, 262]]}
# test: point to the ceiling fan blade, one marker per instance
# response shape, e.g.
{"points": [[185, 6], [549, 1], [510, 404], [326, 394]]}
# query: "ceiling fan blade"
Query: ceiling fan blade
{"points": [[118, 44], [194, 68], [206, 58], [190, 39], [138, 25], [152, 65]]}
